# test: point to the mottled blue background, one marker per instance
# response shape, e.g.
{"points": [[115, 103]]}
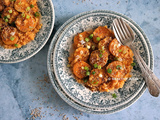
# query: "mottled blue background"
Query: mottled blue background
{"points": [[24, 86]]}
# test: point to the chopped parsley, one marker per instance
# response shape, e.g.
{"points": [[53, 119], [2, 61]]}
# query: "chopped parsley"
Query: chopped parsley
{"points": [[95, 66], [16, 45], [93, 72], [114, 95], [36, 14], [31, 6], [109, 70], [86, 68]]}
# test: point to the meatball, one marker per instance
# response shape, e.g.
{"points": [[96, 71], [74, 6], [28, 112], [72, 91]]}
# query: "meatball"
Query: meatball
{"points": [[26, 22], [81, 54], [79, 40], [104, 44], [9, 35], [101, 33], [97, 77], [21, 5], [98, 58], [10, 15], [81, 69], [116, 70]]}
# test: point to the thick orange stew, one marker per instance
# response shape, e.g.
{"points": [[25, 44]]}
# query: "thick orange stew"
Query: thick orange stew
{"points": [[99, 61], [19, 22]]}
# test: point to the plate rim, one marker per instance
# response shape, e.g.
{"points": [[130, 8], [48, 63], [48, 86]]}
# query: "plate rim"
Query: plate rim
{"points": [[39, 49], [90, 12]]}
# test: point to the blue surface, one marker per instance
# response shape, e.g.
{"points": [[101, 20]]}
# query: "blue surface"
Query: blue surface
{"points": [[25, 87]]}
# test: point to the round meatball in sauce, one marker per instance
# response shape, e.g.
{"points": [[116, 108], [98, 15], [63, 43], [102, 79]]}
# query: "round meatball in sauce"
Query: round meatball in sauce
{"points": [[81, 69], [97, 77], [26, 22], [81, 54], [9, 35], [9, 15], [101, 33], [79, 40], [116, 70], [98, 58]]}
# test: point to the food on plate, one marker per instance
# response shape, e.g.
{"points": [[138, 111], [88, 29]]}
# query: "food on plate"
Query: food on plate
{"points": [[19, 22], [99, 61]]}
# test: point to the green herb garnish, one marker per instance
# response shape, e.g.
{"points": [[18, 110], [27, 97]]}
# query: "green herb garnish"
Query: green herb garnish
{"points": [[114, 95], [36, 14], [31, 6], [28, 9], [93, 72], [87, 73], [23, 15], [91, 36], [16, 45], [119, 50], [98, 38], [109, 70], [99, 66], [6, 20], [95, 66], [11, 38], [100, 55], [87, 39], [10, 11], [133, 64], [27, 16], [86, 68]]}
